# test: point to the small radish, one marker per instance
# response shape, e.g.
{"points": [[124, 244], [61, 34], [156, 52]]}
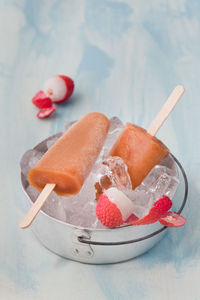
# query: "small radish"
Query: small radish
{"points": [[59, 88]]}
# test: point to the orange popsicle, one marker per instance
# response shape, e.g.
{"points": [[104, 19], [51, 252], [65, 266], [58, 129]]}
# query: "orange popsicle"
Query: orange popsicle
{"points": [[139, 150], [68, 162]]}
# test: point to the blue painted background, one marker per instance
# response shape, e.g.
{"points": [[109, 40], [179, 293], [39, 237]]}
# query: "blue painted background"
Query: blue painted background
{"points": [[125, 58]]}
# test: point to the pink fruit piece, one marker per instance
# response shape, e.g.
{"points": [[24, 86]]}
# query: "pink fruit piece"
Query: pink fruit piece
{"points": [[113, 208], [46, 112], [108, 213], [172, 219], [41, 100], [132, 218], [59, 88], [158, 210]]}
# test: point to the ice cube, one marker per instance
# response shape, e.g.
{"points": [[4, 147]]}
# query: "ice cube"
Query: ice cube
{"points": [[98, 225], [34, 158], [80, 209], [116, 127], [51, 141], [169, 163], [24, 163], [161, 181], [29, 160], [141, 201], [54, 207], [112, 172], [32, 192]]}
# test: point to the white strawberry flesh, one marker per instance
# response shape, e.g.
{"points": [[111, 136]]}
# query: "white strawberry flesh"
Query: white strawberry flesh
{"points": [[124, 204]]}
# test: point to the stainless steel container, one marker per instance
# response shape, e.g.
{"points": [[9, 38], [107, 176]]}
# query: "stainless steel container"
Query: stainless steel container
{"points": [[98, 246]]}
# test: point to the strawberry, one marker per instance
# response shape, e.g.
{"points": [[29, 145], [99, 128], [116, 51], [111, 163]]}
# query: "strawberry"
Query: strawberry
{"points": [[46, 112], [158, 210], [172, 219], [113, 208], [108, 213], [41, 100]]}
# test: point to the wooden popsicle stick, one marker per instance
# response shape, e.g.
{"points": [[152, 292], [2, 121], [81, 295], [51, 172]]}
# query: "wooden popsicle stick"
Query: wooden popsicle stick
{"points": [[32, 213], [169, 105]]}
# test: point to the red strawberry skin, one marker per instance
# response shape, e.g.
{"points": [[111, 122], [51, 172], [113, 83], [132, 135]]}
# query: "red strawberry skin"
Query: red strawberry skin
{"points": [[70, 88], [108, 213], [46, 112], [172, 219], [163, 204], [41, 100], [158, 210], [132, 218]]}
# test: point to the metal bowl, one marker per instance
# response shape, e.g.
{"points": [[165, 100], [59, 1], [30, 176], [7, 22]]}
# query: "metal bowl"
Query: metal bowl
{"points": [[99, 246]]}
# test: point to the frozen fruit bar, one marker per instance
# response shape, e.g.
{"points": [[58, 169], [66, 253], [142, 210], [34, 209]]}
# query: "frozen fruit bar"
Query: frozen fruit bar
{"points": [[68, 162], [139, 150]]}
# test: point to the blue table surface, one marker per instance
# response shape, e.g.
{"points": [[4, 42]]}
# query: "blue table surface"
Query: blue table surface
{"points": [[125, 58]]}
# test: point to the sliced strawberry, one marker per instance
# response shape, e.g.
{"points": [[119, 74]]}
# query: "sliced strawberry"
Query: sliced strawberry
{"points": [[158, 210], [46, 112], [172, 219], [41, 100]]}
